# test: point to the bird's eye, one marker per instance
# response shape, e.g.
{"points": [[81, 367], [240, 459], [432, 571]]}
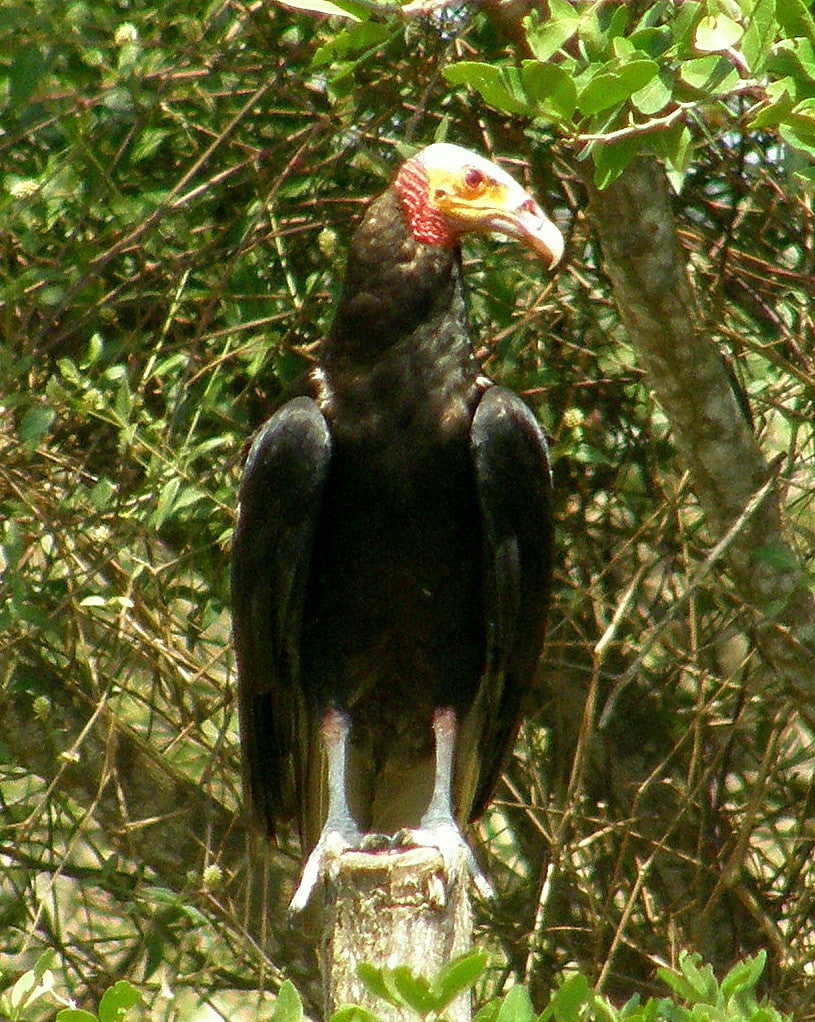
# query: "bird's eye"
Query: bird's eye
{"points": [[473, 178]]}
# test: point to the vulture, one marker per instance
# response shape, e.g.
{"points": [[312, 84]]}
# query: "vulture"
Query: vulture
{"points": [[392, 555]]}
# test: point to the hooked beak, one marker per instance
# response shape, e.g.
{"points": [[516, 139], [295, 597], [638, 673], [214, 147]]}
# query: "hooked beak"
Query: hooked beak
{"points": [[531, 226]]}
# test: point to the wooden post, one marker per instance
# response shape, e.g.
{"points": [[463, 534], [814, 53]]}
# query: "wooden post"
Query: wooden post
{"points": [[389, 909]]}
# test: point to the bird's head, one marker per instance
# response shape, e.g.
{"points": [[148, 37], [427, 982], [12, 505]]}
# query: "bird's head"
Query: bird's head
{"points": [[447, 192]]}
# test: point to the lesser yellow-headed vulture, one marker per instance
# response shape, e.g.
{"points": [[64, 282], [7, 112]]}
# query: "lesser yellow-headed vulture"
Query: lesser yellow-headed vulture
{"points": [[392, 557]]}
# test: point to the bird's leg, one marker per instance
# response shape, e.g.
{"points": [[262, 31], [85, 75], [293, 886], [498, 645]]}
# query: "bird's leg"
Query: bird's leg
{"points": [[438, 828], [340, 830]]}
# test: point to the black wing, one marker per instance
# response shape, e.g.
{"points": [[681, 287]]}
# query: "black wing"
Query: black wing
{"points": [[280, 500], [514, 490]]}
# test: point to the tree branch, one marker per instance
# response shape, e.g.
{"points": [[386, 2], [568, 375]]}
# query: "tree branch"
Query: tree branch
{"points": [[638, 235]]}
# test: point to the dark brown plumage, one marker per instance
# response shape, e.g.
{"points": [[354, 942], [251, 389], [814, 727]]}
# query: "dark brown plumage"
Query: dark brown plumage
{"points": [[392, 558]]}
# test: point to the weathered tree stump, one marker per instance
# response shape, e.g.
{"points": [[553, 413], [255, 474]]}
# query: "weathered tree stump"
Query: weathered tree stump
{"points": [[389, 909]]}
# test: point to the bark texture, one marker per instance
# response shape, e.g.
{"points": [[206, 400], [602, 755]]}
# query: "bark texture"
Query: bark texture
{"points": [[637, 231], [389, 910]]}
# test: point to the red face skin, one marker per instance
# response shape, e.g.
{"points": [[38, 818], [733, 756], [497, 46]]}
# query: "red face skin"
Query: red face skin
{"points": [[427, 224], [451, 196]]}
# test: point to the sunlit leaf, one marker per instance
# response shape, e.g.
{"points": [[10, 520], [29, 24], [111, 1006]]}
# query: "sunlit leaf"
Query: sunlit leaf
{"points": [[374, 979], [711, 74], [609, 88], [654, 96], [288, 1006], [118, 1000], [354, 1013], [569, 1000], [457, 977], [715, 33], [332, 8], [743, 976], [516, 1006], [545, 36], [500, 87], [414, 990], [551, 87], [759, 34]]}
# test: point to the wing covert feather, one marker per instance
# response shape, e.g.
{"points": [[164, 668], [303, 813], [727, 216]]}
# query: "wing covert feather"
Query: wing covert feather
{"points": [[513, 478], [280, 498]]}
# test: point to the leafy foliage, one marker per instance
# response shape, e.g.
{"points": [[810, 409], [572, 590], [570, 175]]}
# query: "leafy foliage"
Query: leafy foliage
{"points": [[698, 997], [620, 82], [20, 1002]]}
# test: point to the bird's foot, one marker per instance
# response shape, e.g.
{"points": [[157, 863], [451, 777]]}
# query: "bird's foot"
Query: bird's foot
{"points": [[324, 861], [444, 835]]}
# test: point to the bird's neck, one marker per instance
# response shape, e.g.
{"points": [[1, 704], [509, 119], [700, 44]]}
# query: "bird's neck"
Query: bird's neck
{"points": [[400, 335]]}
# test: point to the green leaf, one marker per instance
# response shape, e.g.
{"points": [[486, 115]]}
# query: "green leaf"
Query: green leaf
{"points": [[117, 1001], [699, 978], [516, 1006], [375, 981], [75, 1015], [654, 96], [675, 146], [288, 1006], [781, 96], [618, 24], [559, 10], [147, 143], [567, 1002], [797, 58], [712, 74], [676, 982], [551, 87], [653, 41], [489, 1012], [797, 140], [743, 976], [351, 41], [353, 1013], [687, 18], [25, 75], [34, 984], [795, 18], [458, 976], [333, 8], [546, 36], [609, 88], [759, 35], [715, 33], [802, 116], [778, 556], [414, 990], [35, 425], [166, 503], [500, 87], [610, 160]]}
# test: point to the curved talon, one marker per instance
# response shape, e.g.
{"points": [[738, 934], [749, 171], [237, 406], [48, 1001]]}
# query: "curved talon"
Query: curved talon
{"points": [[456, 854], [324, 860]]}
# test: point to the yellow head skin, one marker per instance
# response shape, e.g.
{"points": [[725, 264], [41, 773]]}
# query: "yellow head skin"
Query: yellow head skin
{"points": [[449, 191]]}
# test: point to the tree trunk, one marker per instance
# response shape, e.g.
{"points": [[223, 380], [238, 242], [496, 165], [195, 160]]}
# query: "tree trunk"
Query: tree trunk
{"points": [[643, 259], [390, 909]]}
